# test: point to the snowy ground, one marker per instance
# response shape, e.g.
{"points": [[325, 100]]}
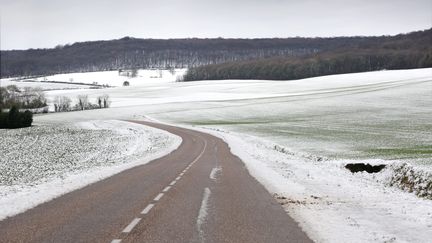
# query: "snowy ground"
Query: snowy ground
{"points": [[330, 203], [43, 162], [86, 80], [377, 117], [42, 85]]}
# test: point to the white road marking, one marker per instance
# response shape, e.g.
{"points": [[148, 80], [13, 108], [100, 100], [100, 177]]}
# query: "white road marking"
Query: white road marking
{"points": [[203, 213], [214, 171], [159, 196], [203, 210], [132, 225], [202, 152], [147, 209]]}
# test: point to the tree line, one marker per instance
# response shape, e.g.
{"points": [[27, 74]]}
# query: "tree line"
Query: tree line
{"points": [[129, 53], [64, 103], [402, 52], [26, 98]]}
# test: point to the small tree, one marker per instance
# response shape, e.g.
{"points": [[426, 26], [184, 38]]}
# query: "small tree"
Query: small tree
{"points": [[134, 73], [83, 102], [3, 93], [106, 101], [62, 103], [126, 83], [13, 120], [27, 119], [99, 101], [171, 70]]}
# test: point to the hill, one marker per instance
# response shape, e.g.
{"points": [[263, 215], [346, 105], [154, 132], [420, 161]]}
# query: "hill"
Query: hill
{"points": [[180, 53], [408, 51]]}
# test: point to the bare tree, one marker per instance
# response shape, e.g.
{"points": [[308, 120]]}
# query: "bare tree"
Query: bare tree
{"points": [[83, 102], [134, 73], [99, 101], [62, 103], [106, 101], [171, 70], [38, 99]]}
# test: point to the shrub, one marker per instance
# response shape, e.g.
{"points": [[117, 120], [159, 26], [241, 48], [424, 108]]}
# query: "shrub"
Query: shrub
{"points": [[16, 119], [27, 119]]}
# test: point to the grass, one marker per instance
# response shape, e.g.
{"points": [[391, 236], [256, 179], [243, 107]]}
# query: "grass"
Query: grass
{"points": [[403, 153]]}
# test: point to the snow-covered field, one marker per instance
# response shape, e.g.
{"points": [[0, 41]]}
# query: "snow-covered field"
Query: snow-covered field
{"points": [[85, 80], [295, 137], [43, 162], [42, 85], [113, 78], [330, 203]]}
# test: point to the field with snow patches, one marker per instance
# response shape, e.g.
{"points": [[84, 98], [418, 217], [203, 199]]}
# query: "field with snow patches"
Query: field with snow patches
{"points": [[296, 136], [43, 162]]}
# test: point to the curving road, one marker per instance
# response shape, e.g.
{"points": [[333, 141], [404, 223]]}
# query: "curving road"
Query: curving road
{"points": [[198, 193]]}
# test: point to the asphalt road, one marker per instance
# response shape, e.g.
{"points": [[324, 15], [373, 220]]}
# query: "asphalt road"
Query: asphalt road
{"points": [[198, 193]]}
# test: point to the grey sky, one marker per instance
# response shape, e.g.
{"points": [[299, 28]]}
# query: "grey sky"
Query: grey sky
{"points": [[46, 23]]}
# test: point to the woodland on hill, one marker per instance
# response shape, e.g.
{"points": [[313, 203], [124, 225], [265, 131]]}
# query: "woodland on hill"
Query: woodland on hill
{"points": [[400, 52], [277, 58]]}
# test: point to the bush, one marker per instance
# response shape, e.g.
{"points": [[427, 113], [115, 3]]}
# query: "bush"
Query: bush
{"points": [[27, 119], [15, 119]]}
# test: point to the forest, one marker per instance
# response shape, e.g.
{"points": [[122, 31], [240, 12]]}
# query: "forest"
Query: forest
{"points": [[400, 52], [227, 58]]}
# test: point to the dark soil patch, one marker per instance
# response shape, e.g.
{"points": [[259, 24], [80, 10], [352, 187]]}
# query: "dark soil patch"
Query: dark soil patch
{"points": [[358, 167]]}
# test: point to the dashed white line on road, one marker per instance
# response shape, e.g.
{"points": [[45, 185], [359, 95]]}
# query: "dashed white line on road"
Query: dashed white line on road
{"points": [[159, 196], [130, 227], [148, 208], [203, 209]]}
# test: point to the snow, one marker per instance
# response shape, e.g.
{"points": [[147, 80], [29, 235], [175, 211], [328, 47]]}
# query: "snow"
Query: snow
{"points": [[113, 78], [42, 85], [296, 136], [40, 163], [330, 203]]}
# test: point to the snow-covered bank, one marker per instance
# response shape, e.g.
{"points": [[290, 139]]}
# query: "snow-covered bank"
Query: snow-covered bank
{"points": [[40, 163], [330, 203]]}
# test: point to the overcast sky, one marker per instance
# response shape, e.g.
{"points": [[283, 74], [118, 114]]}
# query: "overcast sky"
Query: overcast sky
{"points": [[46, 23]]}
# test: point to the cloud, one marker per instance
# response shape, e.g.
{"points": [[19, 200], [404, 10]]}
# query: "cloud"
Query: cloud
{"points": [[46, 23]]}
